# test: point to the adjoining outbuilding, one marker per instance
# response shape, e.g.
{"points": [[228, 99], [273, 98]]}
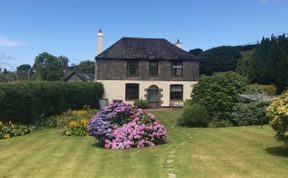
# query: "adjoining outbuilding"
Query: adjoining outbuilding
{"points": [[80, 76]]}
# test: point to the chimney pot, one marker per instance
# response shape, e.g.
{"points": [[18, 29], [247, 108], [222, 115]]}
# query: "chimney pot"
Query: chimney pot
{"points": [[178, 43]]}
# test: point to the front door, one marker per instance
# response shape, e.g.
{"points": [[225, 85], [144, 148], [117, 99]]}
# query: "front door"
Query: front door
{"points": [[153, 96]]}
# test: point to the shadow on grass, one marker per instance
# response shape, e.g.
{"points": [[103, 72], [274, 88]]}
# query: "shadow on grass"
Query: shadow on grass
{"points": [[98, 145], [277, 151]]}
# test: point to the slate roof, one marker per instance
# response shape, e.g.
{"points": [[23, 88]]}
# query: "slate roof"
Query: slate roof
{"points": [[145, 48], [85, 77]]}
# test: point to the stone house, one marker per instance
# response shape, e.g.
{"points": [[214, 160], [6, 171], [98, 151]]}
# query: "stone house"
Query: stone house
{"points": [[152, 69]]}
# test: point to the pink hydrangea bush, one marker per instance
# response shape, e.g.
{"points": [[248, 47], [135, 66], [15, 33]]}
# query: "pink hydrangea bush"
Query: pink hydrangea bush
{"points": [[120, 126]]}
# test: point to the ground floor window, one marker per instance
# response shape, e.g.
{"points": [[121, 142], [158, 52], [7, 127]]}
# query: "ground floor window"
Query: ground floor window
{"points": [[176, 92], [132, 91]]}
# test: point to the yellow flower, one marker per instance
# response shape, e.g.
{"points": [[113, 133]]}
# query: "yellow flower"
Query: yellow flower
{"points": [[6, 136], [72, 124], [79, 112]]}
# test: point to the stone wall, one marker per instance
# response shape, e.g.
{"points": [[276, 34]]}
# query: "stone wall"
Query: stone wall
{"points": [[117, 70]]}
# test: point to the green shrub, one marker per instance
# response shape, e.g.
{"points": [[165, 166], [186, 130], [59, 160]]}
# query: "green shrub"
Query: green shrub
{"points": [[277, 113], [143, 104], [10, 129], [218, 94], [46, 122], [75, 122], [194, 116], [249, 113], [268, 89], [27, 102]]}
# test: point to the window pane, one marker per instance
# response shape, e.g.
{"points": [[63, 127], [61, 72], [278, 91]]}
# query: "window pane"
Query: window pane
{"points": [[132, 71], [176, 92], [177, 68], [176, 88], [132, 67], [153, 68], [132, 91]]}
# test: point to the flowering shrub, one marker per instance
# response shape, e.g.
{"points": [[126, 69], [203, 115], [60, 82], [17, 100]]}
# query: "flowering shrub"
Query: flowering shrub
{"points": [[75, 122], [277, 112], [120, 126], [10, 129]]}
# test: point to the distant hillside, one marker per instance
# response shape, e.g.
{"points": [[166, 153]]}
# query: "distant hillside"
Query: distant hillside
{"points": [[244, 48]]}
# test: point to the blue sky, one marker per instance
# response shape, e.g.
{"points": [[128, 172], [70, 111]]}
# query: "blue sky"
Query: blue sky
{"points": [[69, 27]]}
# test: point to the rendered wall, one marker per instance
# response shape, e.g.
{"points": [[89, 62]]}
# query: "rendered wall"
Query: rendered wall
{"points": [[115, 89]]}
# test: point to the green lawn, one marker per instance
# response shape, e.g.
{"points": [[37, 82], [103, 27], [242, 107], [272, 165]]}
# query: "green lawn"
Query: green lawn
{"points": [[191, 152]]}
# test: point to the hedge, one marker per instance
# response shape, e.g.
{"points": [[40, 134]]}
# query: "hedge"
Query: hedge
{"points": [[26, 102]]}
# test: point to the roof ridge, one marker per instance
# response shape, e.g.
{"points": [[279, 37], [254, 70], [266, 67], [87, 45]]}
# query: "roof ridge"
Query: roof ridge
{"points": [[145, 48], [142, 38]]}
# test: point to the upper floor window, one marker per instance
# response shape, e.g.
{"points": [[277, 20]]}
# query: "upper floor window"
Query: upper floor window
{"points": [[177, 68], [176, 92], [153, 67], [132, 68], [132, 91]]}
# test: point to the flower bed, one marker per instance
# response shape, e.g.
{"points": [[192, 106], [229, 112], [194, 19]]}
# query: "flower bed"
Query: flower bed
{"points": [[120, 126], [10, 129], [75, 122]]}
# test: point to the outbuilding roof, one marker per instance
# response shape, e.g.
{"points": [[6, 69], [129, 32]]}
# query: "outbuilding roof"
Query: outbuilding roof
{"points": [[145, 48], [85, 77]]}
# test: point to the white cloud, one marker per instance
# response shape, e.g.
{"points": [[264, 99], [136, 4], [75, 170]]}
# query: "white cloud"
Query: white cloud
{"points": [[7, 61], [8, 42], [4, 57]]}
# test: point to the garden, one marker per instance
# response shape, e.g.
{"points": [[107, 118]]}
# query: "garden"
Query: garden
{"points": [[165, 143], [54, 129], [249, 151]]}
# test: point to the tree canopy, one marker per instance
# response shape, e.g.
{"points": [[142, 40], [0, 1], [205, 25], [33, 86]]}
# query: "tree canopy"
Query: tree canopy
{"points": [[196, 51], [49, 67], [269, 63], [24, 72], [219, 59], [218, 93], [86, 66]]}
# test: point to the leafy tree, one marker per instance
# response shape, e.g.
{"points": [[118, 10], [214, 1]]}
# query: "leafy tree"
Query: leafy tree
{"points": [[24, 72], [244, 62], [196, 51], [49, 67], [64, 63], [269, 63], [218, 94], [220, 59], [86, 66]]}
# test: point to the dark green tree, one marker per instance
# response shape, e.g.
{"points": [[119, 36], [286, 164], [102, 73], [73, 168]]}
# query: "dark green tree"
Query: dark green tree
{"points": [[244, 62], [196, 51], [24, 72], [269, 63], [220, 59], [218, 94]]}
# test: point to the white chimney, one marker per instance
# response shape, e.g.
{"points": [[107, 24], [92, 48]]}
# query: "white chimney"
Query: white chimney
{"points": [[99, 48], [99, 42], [178, 44]]}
